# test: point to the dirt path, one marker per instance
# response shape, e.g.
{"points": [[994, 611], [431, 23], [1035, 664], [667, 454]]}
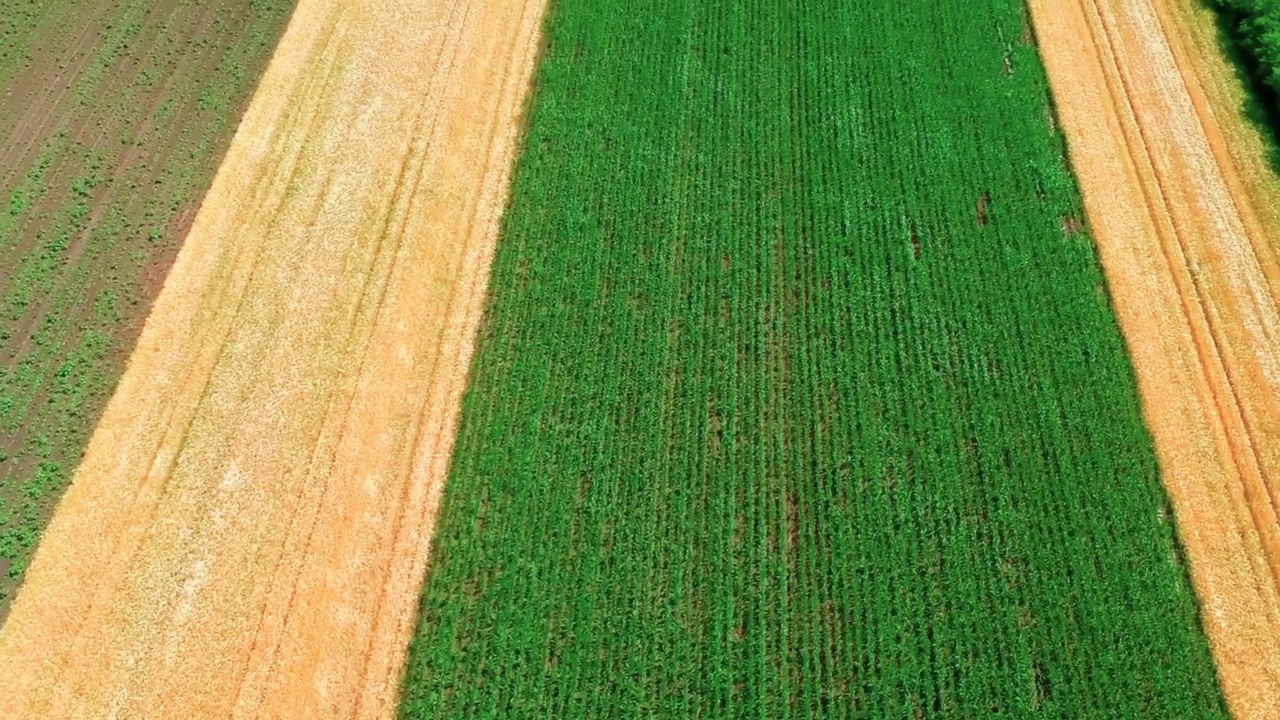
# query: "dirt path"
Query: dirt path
{"points": [[247, 532], [1192, 278]]}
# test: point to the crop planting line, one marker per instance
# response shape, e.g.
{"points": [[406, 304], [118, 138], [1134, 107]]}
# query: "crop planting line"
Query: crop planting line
{"points": [[354, 497], [179, 441], [32, 313], [473, 264], [1154, 204], [1262, 259], [325, 184], [129, 63], [1202, 295], [131, 66], [1263, 251], [1229, 407], [252, 258]]}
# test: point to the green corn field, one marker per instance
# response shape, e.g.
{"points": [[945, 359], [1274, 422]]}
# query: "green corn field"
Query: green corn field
{"points": [[798, 393]]}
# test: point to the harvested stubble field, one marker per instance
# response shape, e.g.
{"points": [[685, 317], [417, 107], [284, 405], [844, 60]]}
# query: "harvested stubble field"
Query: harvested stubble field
{"points": [[799, 395], [1194, 281], [247, 531], [113, 117]]}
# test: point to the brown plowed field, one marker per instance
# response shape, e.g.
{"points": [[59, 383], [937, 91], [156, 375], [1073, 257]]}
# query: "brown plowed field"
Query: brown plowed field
{"points": [[114, 115], [247, 532], [1193, 279]]}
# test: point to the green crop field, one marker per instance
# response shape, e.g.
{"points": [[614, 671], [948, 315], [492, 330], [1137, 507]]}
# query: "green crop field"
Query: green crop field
{"points": [[799, 395], [113, 118]]}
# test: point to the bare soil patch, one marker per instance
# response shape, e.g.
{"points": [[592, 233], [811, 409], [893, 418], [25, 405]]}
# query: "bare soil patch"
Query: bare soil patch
{"points": [[1221, 93]]}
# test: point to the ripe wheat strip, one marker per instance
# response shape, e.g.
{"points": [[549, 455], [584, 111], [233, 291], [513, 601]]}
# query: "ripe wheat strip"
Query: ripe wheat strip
{"points": [[1178, 241], [255, 508]]}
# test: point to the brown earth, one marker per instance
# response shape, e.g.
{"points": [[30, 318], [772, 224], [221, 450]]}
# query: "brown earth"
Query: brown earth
{"points": [[1192, 278], [113, 118], [248, 530]]}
